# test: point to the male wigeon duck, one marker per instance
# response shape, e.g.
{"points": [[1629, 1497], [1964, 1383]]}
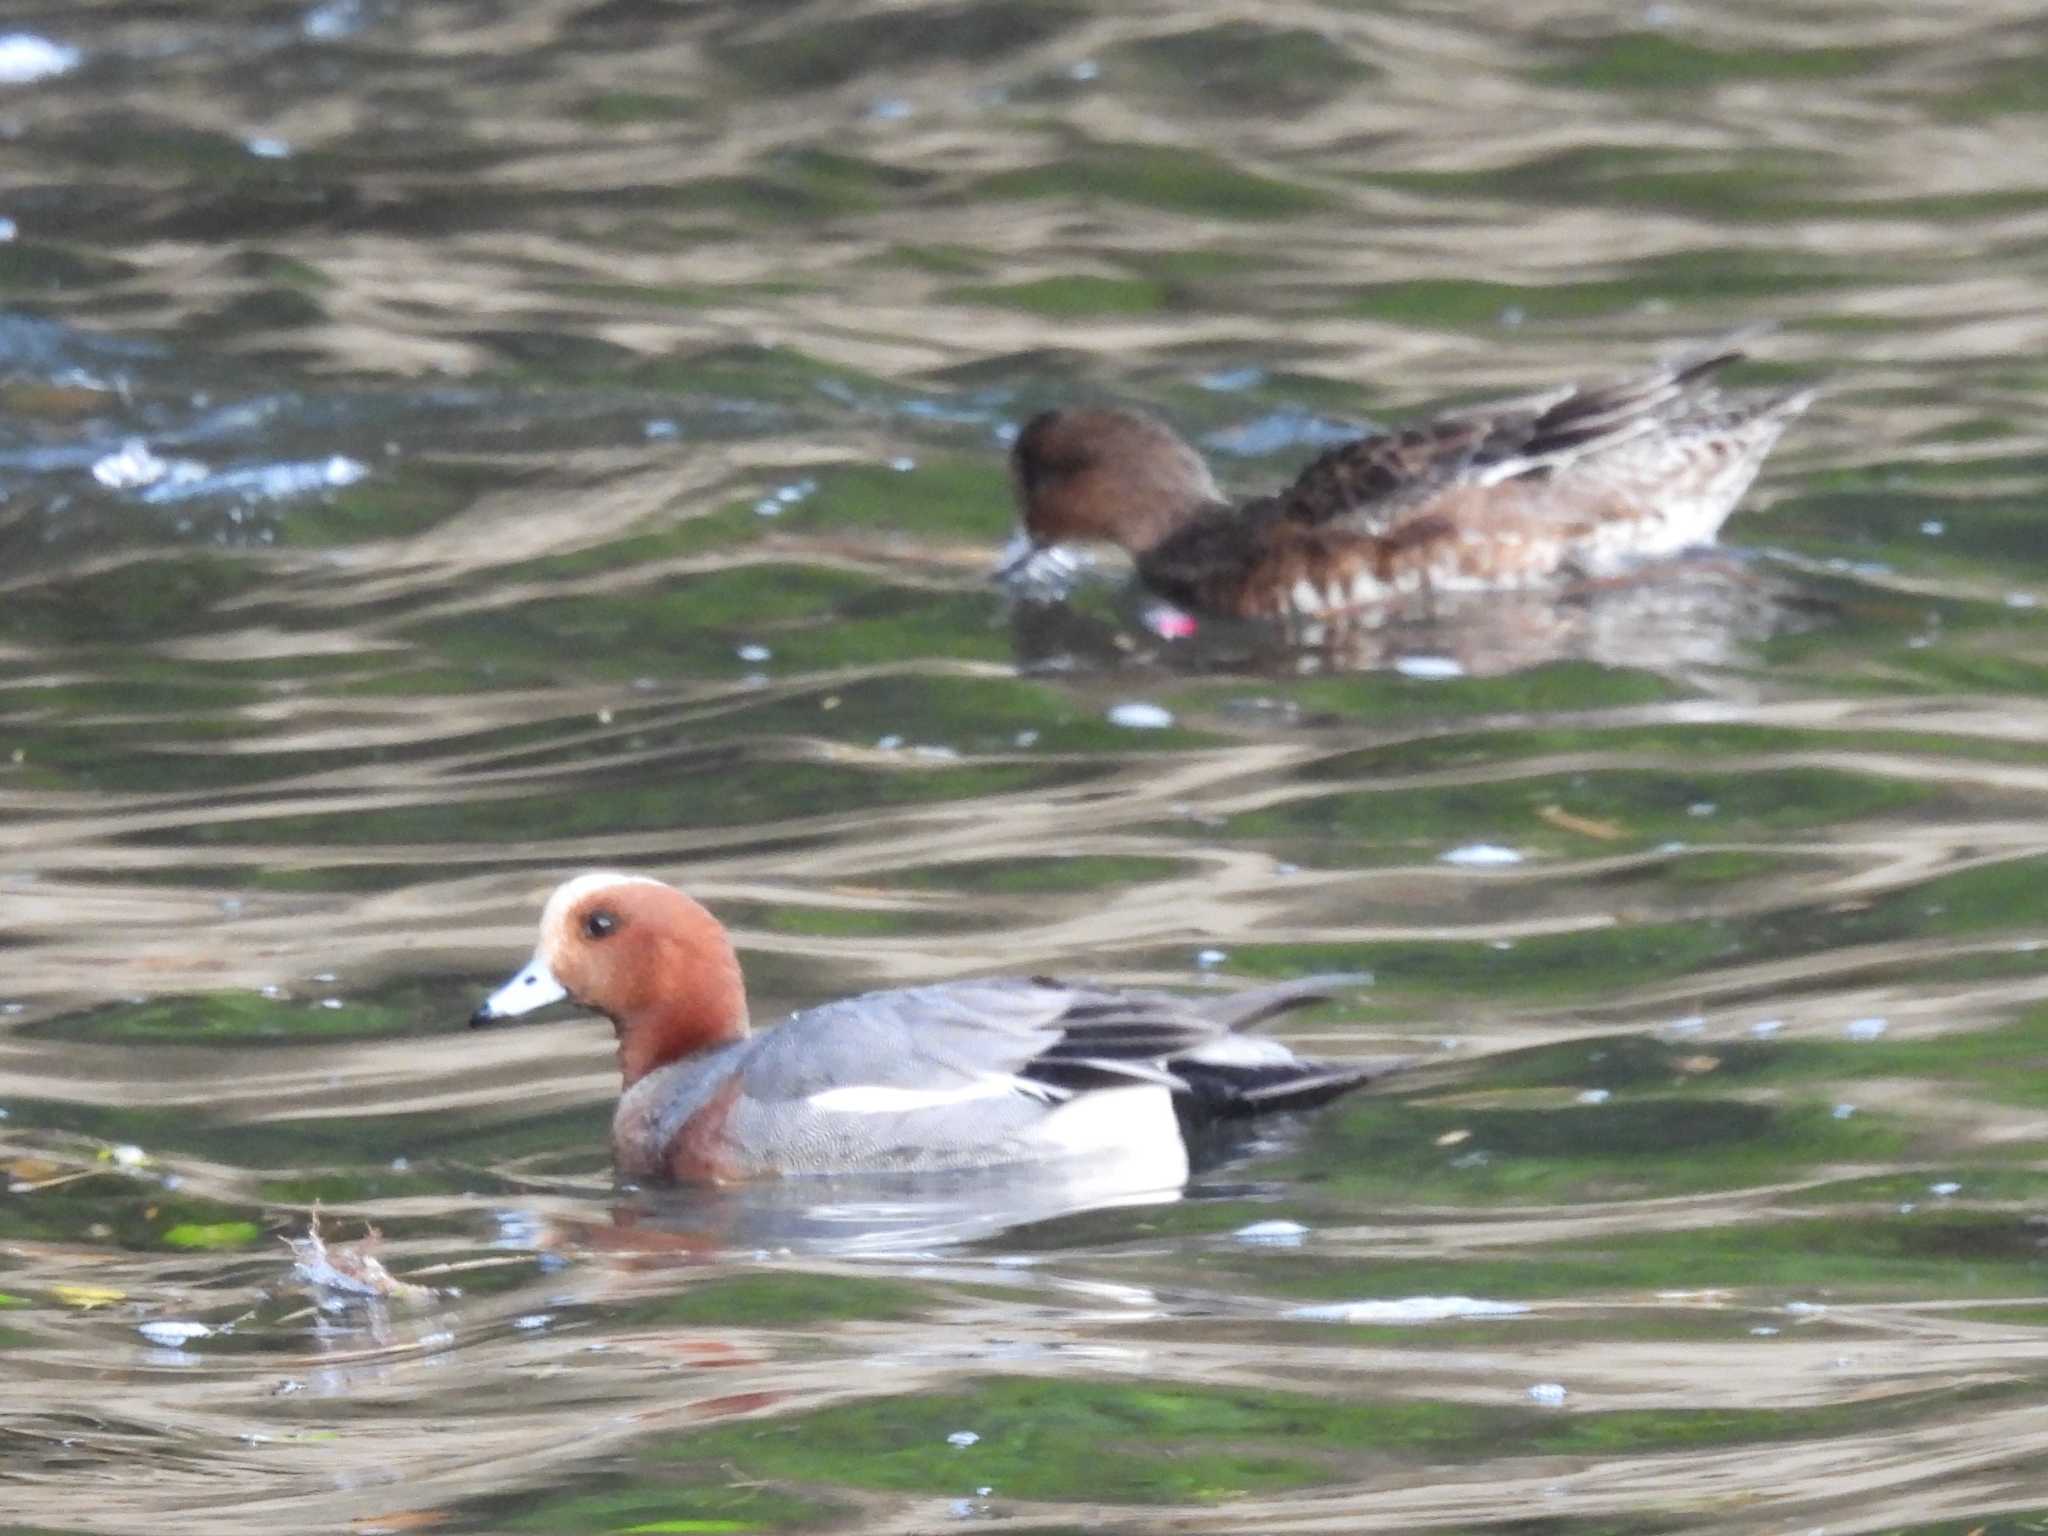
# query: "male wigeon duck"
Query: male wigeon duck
{"points": [[1584, 479], [968, 1074]]}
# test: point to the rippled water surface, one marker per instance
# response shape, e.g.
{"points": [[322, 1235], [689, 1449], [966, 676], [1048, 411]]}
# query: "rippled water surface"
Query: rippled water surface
{"points": [[446, 446]]}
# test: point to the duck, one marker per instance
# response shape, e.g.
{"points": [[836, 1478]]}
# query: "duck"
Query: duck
{"points": [[1587, 479], [955, 1075]]}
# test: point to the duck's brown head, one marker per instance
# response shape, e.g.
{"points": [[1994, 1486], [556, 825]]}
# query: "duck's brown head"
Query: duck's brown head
{"points": [[645, 956], [1097, 474]]}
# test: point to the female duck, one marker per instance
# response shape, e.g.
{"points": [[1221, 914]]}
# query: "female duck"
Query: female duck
{"points": [[969, 1074], [1587, 479]]}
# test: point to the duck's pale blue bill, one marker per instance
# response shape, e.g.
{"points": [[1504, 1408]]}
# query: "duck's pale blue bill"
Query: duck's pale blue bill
{"points": [[1016, 555], [1032, 570], [534, 987]]}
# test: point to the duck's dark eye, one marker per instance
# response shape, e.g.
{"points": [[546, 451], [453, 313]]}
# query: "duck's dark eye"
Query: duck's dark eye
{"points": [[600, 925]]}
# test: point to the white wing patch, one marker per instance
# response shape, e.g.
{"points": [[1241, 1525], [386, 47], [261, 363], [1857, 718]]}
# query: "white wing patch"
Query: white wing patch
{"points": [[873, 1099]]}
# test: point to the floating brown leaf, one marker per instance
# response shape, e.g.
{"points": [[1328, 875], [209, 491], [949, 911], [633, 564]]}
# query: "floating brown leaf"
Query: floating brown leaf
{"points": [[1585, 826]]}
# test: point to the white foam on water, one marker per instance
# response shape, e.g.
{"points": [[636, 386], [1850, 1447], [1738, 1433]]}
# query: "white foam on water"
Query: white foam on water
{"points": [[1480, 856], [1429, 668], [26, 58], [1408, 1309], [1272, 1234], [1140, 716]]}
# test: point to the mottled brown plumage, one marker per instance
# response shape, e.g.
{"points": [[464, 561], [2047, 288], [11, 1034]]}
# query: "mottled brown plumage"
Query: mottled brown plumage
{"points": [[1504, 496]]}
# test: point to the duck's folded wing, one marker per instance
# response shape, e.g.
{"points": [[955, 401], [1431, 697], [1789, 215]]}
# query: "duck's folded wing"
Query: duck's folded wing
{"points": [[1374, 484], [1593, 418], [1370, 485], [1040, 1038]]}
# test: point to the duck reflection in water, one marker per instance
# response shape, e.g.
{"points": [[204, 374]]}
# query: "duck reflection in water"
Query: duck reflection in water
{"points": [[1700, 609]]}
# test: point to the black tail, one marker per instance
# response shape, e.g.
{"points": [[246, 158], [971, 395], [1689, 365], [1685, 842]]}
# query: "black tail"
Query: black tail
{"points": [[1222, 1089], [1238, 1093]]}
